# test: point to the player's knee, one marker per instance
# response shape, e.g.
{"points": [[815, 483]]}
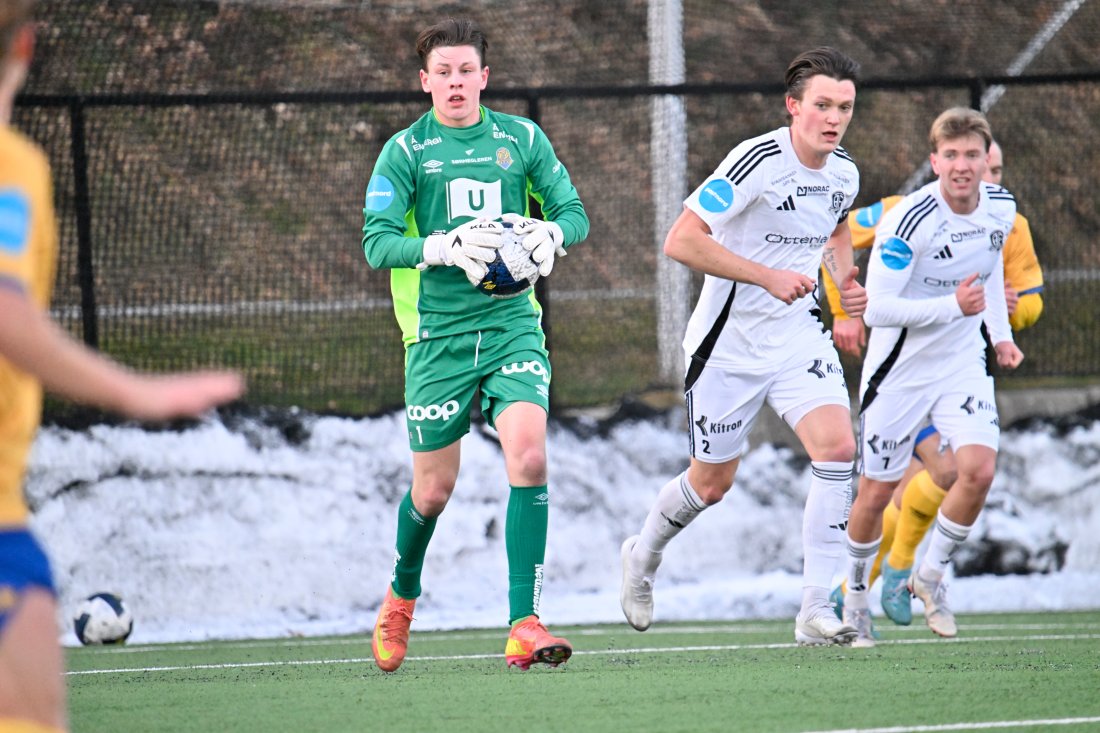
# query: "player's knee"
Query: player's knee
{"points": [[530, 465], [432, 495], [711, 490], [978, 475], [839, 449], [943, 476]]}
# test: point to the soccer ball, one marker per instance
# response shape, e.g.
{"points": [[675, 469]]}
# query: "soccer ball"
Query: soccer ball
{"points": [[103, 619], [513, 272]]}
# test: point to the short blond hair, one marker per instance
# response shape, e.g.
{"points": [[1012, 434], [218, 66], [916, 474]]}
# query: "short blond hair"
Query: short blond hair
{"points": [[959, 122]]}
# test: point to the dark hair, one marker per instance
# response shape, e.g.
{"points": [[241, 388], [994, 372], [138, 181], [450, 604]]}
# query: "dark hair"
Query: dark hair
{"points": [[822, 60], [451, 32]]}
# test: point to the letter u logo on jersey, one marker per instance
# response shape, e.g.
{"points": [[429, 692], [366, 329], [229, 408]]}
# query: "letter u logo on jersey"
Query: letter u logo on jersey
{"points": [[467, 197], [535, 367]]}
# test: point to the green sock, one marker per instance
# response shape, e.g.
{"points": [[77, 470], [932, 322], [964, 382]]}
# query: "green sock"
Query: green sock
{"points": [[414, 532], [525, 539]]}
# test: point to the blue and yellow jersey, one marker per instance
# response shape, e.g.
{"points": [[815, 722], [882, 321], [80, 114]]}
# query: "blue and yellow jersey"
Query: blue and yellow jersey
{"points": [[28, 259], [1022, 269]]}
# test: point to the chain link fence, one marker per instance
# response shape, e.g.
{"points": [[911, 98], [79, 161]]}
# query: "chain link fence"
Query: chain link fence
{"points": [[210, 161]]}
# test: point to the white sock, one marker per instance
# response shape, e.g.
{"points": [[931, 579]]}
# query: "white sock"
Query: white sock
{"points": [[861, 556], [825, 522], [676, 506], [946, 538]]}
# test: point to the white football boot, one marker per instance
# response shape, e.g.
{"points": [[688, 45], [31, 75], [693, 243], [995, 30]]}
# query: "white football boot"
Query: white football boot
{"points": [[637, 591]]}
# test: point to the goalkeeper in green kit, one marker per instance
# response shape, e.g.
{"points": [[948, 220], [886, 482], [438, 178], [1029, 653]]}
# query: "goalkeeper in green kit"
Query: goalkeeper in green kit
{"points": [[433, 215]]}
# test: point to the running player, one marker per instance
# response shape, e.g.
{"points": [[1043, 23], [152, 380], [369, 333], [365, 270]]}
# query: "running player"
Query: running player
{"points": [[430, 213], [759, 228], [36, 353], [922, 489], [934, 255]]}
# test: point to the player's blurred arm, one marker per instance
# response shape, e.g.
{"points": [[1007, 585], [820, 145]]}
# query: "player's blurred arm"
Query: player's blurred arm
{"points": [[35, 344], [1024, 275], [689, 243]]}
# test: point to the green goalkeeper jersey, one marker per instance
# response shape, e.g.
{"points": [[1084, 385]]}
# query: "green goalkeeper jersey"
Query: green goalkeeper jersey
{"points": [[431, 178]]}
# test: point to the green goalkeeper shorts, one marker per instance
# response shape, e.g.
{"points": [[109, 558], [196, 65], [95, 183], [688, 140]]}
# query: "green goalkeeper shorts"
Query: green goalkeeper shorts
{"points": [[443, 377]]}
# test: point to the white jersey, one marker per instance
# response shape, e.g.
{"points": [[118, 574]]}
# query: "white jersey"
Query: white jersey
{"points": [[764, 205], [922, 252]]}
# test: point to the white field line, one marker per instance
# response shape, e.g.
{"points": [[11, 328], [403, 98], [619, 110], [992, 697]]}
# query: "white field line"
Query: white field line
{"points": [[989, 725], [429, 636], [597, 652]]}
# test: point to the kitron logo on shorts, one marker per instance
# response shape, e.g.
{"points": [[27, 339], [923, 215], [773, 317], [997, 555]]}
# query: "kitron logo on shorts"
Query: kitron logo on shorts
{"points": [[896, 254], [379, 194], [15, 221], [716, 196]]}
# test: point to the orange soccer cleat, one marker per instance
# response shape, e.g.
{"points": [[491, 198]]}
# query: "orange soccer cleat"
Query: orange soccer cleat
{"points": [[530, 643], [391, 631]]}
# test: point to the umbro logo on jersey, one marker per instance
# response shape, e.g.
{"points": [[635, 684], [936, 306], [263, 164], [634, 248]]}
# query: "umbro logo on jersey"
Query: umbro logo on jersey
{"points": [[944, 254], [787, 205], [433, 165]]}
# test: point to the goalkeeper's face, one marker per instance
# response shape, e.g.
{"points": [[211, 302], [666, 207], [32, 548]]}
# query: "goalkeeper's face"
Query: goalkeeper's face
{"points": [[455, 78]]}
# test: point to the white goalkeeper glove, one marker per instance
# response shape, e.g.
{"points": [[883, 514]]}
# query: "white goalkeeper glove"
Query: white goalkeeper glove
{"points": [[543, 239], [470, 246]]}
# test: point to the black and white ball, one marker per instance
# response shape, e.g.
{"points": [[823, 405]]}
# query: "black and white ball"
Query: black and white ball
{"points": [[513, 272], [103, 619]]}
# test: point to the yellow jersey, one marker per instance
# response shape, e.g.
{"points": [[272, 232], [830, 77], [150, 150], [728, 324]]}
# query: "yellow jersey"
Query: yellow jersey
{"points": [[28, 261], [1022, 269]]}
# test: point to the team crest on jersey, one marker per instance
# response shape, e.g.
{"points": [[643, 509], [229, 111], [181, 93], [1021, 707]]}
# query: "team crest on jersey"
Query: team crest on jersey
{"points": [[838, 202], [504, 158], [996, 240]]}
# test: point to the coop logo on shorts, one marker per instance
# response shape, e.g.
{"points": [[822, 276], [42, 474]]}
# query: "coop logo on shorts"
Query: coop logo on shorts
{"points": [[716, 196], [519, 367], [15, 221], [996, 240], [379, 193], [896, 254], [419, 413]]}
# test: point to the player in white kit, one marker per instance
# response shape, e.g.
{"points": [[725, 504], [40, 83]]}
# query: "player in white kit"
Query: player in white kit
{"points": [[935, 256], [759, 228]]}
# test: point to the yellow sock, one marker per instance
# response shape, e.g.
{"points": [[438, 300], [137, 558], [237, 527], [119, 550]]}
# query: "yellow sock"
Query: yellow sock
{"points": [[919, 504], [889, 531], [889, 525]]}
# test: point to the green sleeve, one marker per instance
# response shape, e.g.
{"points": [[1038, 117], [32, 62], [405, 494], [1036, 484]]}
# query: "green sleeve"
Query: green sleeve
{"points": [[550, 185], [389, 229]]}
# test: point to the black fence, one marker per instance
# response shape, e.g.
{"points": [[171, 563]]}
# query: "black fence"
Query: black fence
{"points": [[223, 229]]}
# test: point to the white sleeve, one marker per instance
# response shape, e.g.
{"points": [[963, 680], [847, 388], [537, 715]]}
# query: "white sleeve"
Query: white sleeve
{"points": [[727, 192], [996, 309], [891, 266]]}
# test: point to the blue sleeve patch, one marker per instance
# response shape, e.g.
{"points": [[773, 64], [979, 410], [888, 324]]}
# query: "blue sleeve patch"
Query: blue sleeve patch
{"points": [[896, 254], [868, 216], [380, 193], [716, 196], [15, 221]]}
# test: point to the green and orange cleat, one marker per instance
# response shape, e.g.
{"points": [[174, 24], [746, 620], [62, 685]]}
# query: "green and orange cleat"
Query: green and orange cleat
{"points": [[530, 643], [391, 631]]}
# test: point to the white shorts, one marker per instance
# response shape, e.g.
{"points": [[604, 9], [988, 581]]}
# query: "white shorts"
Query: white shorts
{"points": [[964, 413], [722, 405]]}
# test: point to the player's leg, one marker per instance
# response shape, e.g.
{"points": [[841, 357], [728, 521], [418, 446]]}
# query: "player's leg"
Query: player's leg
{"points": [[721, 409], [888, 423], [922, 490], [812, 398], [437, 415], [968, 419], [515, 400], [32, 688]]}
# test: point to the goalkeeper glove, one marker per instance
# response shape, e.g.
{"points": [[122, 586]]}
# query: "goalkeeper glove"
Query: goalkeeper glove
{"points": [[469, 246], [543, 239]]}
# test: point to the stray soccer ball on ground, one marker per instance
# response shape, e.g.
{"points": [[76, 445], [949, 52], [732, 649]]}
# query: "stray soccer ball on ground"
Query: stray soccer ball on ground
{"points": [[102, 619], [513, 272]]}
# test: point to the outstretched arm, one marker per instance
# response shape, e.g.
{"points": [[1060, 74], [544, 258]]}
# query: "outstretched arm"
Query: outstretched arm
{"points": [[35, 344]]}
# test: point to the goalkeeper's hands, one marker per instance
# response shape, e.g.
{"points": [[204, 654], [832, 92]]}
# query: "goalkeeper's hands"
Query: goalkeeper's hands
{"points": [[543, 239], [470, 246]]}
